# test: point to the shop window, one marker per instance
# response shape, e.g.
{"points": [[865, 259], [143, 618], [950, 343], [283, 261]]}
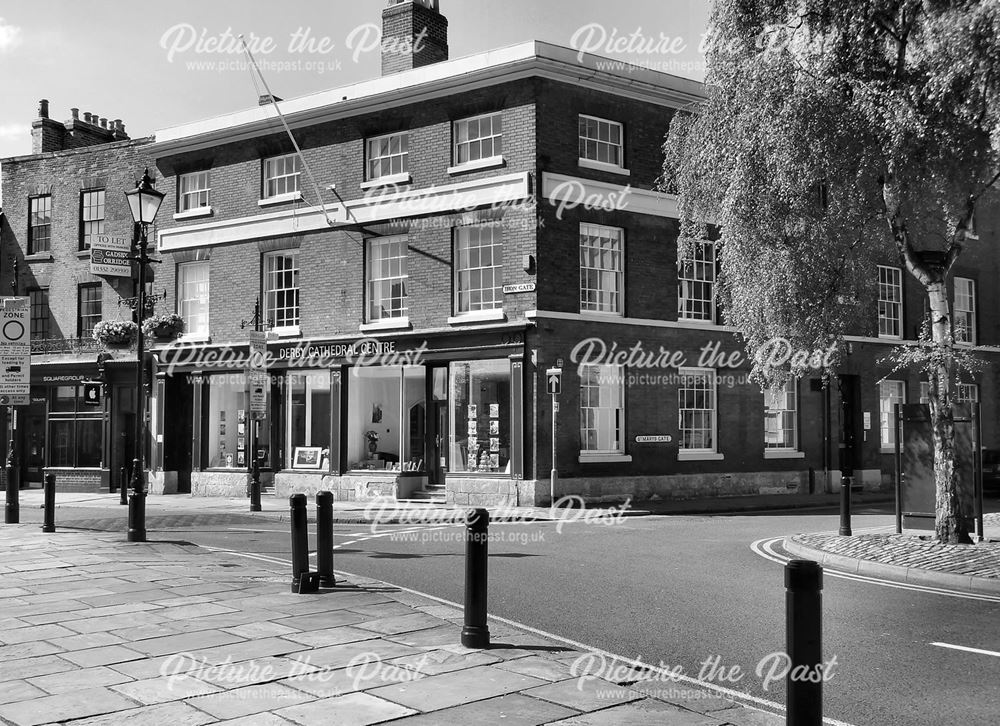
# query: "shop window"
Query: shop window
{"points": [[74, 431], [308, 420], [480, 417], [227, 433], [386, 419]]}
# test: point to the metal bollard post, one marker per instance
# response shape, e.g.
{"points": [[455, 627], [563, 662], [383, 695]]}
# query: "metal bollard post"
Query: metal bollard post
{"points": [[12, 510], [324, 539], [300, 540], [845, 506], [255, 485], [123, 485], [804, 642], [49, 519], [476, 634]]}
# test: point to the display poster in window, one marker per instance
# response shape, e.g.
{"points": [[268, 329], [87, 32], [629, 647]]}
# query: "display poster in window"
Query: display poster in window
{"points": [[472, 411], [494, 410]]}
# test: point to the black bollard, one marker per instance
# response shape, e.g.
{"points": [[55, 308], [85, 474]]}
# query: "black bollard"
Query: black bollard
{"points": [[300, 540], [476, 634], [255, 486], [845, 506], [324, 539], [804, 642], [49, 519], [12, 510], [123, 485]]}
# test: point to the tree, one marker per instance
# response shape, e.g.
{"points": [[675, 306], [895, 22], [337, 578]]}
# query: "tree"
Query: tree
{"points": [[836, 133]]}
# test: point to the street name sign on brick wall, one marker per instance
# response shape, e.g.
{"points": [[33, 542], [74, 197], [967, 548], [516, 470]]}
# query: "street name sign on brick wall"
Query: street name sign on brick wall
{"points": [[111, 256], [15, 351]]}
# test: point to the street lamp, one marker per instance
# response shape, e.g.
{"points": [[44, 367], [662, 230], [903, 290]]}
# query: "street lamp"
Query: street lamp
{"points": [[144, 202]]}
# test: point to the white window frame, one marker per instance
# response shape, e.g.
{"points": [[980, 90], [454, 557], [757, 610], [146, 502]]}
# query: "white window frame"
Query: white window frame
{"points": [[465, 271], [92, 215], [692, 272], [604, 247], [194, 192], [710, 389], [462, 128], [965, 308], [889, 393], [586, 142], [194, 292], [602, 411], [374, 159], [890, 302], [925, 392], [967, 393], [784, 404], [387, 279], [287, 323], [272, 175]]}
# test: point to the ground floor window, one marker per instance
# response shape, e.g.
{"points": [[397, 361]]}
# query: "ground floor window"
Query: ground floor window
{"points": [[480, 416], [780, 418], [602, 409], [309, 411], [387, 414], [74, 432], [889, 394], [696, 410]]}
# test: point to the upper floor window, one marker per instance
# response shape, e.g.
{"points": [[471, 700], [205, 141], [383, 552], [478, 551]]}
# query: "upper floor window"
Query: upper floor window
{"points": [[965, 310], [38, 304], [88, 308], [602, 409], [967, 393], [780, 417], [889, 394], [387, 277], [194, 191], [281, 175], [478, 268], [890, 302], [601, 141], [281, 289], [40, 224], [970, 229], [387, 156], [91, 216], [478, 138], [600, 269], [192, 297], [696, 283]]}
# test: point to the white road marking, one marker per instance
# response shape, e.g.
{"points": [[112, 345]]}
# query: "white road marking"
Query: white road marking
{"points": [[744, 698], [765, 548], [980, 651], [241, 529]]}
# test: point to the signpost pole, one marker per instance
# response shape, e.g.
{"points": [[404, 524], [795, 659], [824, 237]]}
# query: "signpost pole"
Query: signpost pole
{"points": [[553, 383]]}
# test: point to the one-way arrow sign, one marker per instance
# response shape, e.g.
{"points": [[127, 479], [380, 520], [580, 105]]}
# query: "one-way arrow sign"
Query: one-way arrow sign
{"points": [[553, 377]]}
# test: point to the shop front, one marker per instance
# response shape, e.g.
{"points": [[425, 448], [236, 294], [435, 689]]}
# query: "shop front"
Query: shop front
{"points": [[439, 415]]}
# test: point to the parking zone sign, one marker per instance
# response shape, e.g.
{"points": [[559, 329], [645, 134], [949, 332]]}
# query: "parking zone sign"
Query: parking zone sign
{"points": [[15, 351]]}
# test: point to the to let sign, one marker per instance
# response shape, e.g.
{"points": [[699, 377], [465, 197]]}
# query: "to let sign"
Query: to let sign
{"points": [[15, 352], [111, 256]]}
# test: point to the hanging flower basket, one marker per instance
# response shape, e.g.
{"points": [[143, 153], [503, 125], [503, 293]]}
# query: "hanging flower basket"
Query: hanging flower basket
{"points": [[163, 327], [116, 333]]}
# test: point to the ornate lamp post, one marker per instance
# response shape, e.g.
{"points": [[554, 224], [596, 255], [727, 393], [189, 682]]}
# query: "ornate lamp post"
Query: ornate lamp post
{"points": [[144, 202]]}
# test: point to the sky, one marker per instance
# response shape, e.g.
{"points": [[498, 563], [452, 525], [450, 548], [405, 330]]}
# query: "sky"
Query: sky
{"points": [[159, 64]]}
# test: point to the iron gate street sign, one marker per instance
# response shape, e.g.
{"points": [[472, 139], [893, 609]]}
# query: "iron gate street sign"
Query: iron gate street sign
{"points": [[15, 352]]}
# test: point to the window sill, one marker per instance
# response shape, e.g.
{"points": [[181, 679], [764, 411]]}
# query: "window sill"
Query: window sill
{"points": [[389, 324], [39, 257], [387, 181], [698, 321], [884, 450], [194, 213], [194, 338], [603, 166], [477, 165], [600, 315], [289, 331], [778, 454], [280, 199], [882, 336], [479, 316], [699, 456], [83, 254], [604, 458]]}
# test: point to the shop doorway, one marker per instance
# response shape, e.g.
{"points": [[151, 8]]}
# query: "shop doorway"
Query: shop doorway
{"points": [[438, 464], [178, 430], [33, 446], [851, 432]]}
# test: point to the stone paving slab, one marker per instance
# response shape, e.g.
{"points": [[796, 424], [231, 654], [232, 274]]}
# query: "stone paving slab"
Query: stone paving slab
{"points": [[161, 633]]}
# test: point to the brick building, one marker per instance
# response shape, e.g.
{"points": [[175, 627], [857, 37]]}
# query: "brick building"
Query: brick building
{"points": [[65, 195], [458, 228]]}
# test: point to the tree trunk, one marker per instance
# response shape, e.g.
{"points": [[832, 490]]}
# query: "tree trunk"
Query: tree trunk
{"points": [[952, 515]]}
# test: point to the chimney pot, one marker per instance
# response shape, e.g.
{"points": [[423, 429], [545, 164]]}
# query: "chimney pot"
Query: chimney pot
{"points": [[104, 123], [43, 108], [117, 123], [86, 117], [75, 114]]}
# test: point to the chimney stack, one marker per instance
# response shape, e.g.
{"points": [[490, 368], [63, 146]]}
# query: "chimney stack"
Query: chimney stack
{"points": [[414, 34], [43, 109]]}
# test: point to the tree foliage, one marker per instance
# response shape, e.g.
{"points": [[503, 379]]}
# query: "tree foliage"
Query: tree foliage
{"points": [[837, 135]]}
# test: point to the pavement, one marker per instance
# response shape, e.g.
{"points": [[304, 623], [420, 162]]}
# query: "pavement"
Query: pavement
{"points": [[98, 631], [911, 557]]}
